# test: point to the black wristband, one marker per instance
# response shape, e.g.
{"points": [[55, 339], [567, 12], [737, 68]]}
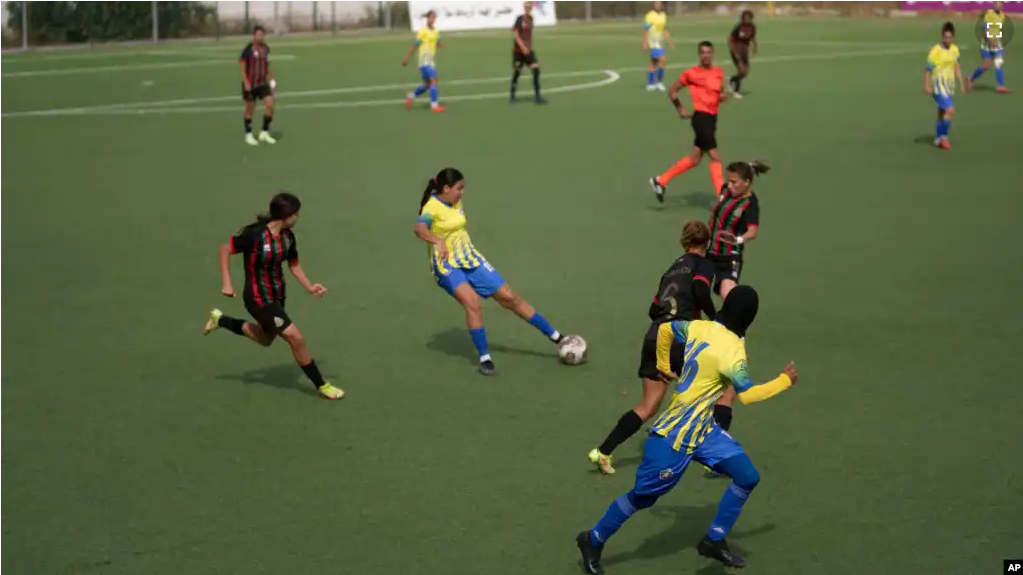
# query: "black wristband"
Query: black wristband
{"points": [[677, 103]]}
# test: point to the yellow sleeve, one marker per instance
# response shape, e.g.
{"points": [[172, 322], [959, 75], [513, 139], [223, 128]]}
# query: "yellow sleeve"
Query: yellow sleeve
{"points": [[428, 215], [649, 20], [421, 36], [665, 335], [766, 390], [932, 58]]}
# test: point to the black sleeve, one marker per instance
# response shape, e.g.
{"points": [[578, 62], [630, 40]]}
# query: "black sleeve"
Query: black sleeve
{"points": [[246, 53], [735, 32], [244, 242], [518, 24], [293, 249], [703, 278], [751, 217], [753, 32]]}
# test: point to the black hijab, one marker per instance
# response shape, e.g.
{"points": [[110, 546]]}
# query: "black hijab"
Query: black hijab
{"points": [[739, 310]]}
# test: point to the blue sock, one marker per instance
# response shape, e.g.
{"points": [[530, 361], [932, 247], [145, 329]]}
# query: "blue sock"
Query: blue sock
{"points": [[977, 73], [615, 516], [650, 77], [1000, 76], [942, 128], [420, 90], [744, 478], [660, 74], [433, 93], [540, 322], [479, 339]]}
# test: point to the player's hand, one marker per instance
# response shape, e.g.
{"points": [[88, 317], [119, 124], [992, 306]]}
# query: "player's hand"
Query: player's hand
{"points": [[227, 290], [684, 114], [527, 51], [404, 63], [248, 86], [727, 237], [667, 376], [442, 250], [317, 290], [790, 370], [928, 90]]}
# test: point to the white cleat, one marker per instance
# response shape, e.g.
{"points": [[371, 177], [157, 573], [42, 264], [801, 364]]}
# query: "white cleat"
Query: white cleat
{"points": [[266, 137], [651, 87], [251, 140], [737, 95], [661, 88]]}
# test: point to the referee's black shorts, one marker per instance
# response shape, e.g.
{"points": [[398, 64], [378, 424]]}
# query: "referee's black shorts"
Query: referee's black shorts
{"points": [[705, 127], [648, 355], [256, 93], [272, 318]]}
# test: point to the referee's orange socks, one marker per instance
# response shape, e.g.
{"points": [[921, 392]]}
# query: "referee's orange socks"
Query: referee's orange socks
{"points": [[717, 176], [677, 170]]}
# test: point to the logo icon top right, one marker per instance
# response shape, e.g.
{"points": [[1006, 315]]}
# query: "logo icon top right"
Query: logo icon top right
{"points": [[995, 31]]}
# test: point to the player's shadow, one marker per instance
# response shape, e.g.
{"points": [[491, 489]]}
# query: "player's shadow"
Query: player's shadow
{"points": [[983, 88], [703, 200], [688, 529], [456, 343], [927, 139], [285, 376]]}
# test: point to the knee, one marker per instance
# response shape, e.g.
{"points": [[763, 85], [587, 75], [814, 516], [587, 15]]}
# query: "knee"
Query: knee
{"points": [[949, 113], [641, 501], [510, 300], [294, 338], [987, 64], [644, 412], [747, 478], [473, 307]]}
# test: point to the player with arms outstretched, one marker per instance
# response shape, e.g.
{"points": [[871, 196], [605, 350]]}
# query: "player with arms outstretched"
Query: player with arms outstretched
{"points": [[706, 84], [655, 33], [715, 359], [940, 78], [523, 55], [991, 49], [258, 83], [740, 42], [427, 41]]}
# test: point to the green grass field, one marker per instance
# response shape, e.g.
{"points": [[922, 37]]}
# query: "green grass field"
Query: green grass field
{"points": [[886, 270]]}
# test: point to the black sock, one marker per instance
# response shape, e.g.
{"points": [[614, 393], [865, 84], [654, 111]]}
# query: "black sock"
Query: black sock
{"points": [[231, 324], [723, 415], [266, 123], [313, 373], [515, 81], [626, 427], [248, 125], [536, 89]]}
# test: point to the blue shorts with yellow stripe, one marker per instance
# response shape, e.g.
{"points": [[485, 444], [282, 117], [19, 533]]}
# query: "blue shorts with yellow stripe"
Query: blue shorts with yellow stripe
{"points": [[991, 53], [428, 72], [663, 466], [484, 279], [944, 101], [656, 53]]}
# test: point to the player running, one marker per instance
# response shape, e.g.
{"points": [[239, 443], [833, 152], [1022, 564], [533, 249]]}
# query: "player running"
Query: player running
{"points": [[523, 54], [940, 78], [991, 49], [265, 245], [655, 32], [427, 41], [705, 82], [742, 38], [462, 271], [258, 83], [715, 359], [683, 293]]}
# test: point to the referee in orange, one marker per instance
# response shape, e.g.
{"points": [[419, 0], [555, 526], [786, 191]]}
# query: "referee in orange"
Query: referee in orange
{"points": [[706, 84]]}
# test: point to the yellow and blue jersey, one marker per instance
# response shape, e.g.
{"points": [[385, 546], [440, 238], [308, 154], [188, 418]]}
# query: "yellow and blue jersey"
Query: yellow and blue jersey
{"points": [[427, 39], [714, 359], [447, 222], [994, 23], [941, 63], [655, 23]]}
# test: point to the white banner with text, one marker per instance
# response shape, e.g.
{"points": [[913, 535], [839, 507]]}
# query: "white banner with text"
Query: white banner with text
{"points": [[478, 15]]}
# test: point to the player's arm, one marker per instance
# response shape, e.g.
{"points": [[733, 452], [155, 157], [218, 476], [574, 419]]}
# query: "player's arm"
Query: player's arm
{"points": [[518, 37], [296, 270], [667, 36], [423, 232], [959, 78], [753, 42], [673, 96], [646, 32], [667, 333], [235, 245], [241, 69], [750, 392], [411, 50], [928, 68]]}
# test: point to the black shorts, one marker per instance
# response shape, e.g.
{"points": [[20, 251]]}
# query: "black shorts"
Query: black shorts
{"points": [[519, 59], [271, 317], [705, 127], [726, 268], [740, 56], [257, 93], [648, 355]]}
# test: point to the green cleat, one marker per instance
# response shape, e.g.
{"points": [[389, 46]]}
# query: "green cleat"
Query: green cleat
{"points": [[251, 140], [603, 462], [212, 323], [330, 392], [267, 138]]}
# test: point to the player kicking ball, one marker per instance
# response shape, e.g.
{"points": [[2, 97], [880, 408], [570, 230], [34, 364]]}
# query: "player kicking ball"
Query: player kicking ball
{"points": [[258, 83]]}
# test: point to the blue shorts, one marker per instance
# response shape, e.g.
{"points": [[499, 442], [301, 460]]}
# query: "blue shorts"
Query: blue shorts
{"points": [[484, 279], [428, 72], [656, 53], [991, 54], [662, 466], [944, 102]]}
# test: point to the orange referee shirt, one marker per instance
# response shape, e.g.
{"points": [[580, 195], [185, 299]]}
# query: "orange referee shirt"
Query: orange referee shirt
{"points": [[705, 85]]}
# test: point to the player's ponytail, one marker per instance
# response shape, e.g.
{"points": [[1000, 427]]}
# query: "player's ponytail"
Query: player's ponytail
{"points": [[749, 170], [282, 206], [445, 178]]}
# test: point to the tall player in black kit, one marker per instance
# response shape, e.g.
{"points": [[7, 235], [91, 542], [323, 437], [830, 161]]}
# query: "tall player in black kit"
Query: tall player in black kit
{"points": [[683, 293], [258, 83], [523, 54]]}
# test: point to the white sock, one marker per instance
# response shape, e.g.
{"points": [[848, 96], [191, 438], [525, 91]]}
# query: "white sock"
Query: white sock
{"points": [[555, 336], [484, 358]]}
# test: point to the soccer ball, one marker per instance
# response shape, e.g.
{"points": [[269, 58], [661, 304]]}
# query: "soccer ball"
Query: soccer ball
{"points": [[572, 350]]}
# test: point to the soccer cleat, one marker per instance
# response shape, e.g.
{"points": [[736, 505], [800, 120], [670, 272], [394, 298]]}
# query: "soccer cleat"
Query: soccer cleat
{"points": [[251, 140], [488, 368], [590, 552], [737, 95], [603, 462], [943, 144], [658, 189], [438, 108], [1003, 90], [212, 323], [719, 551], [651, 87], [660, 87], [540, 100], [330, 392], [266, 137], [408, 102], [512, 99]]}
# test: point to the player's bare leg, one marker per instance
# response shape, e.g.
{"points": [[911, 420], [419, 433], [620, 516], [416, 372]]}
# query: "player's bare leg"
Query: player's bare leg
{"points": [[256, 334], [466, 296], [726, 286], [629, 424], [268, 116], [296, 340], [511, 301], [250, 107]]}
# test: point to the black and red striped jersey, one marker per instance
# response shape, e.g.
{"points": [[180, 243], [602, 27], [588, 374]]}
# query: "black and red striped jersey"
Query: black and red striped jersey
{"points": [[264, 255], [256, 58], [734, 215]]}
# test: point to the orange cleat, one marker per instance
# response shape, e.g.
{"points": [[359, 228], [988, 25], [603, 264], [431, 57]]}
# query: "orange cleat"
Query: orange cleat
{"points": [[1003, 90], [944, 145], [408, 102], [438, 108]]}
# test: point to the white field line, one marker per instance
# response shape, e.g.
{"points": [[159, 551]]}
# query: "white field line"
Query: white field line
{"points": [[128, 67], [154, 107]]}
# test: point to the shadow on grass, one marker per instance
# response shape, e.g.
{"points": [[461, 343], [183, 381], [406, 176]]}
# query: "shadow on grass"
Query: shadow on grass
{"points": [[705, 200], [287, 376], [456, 343]]}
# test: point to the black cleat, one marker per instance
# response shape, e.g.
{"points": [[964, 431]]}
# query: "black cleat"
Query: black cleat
{"points": [[658, 189], [512, 99], [591, 554], [488, 368], [540, 100], [719, 550]]}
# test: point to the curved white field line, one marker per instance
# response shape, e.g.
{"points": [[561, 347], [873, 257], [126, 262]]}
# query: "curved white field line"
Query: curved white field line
{"points": [[610, 77]]}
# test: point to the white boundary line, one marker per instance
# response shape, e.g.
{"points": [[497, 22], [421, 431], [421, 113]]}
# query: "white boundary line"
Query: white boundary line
{"points": [[156, 107], [202, 60]]}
